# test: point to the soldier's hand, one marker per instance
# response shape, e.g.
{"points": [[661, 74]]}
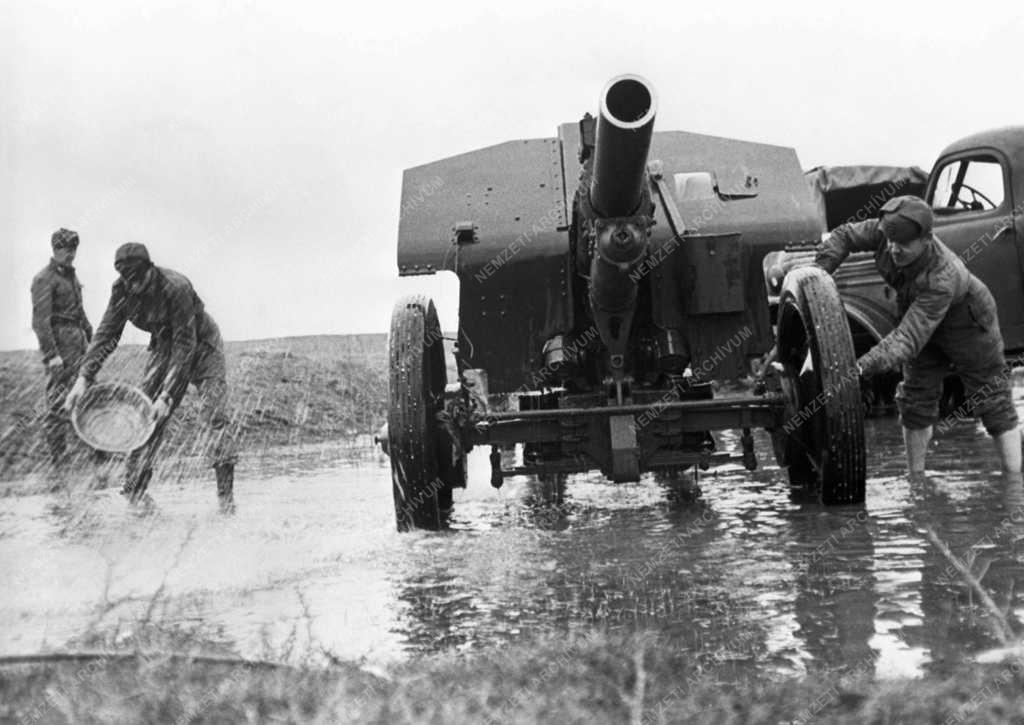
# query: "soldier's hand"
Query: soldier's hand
{"points": [[77, 391], [869, 365], [54, 363], [161, 407]]}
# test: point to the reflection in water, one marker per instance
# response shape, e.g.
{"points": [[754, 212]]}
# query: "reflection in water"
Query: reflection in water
{"points": [[954, 619], [832, 556], [742, 575]]}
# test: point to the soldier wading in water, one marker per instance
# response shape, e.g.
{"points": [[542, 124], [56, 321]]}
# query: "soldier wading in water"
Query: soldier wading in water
{"points": [[184, 347], [948, 325]]}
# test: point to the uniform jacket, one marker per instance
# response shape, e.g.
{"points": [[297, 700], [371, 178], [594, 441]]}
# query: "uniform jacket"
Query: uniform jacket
{"points": [[934, 292], [56, 302], [170, 310]]}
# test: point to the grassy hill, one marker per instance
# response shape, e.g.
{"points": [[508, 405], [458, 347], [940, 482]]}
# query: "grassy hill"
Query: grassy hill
{"points": [[284, 390]]}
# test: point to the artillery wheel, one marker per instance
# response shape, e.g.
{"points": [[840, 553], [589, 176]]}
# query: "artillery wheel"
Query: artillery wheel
{"points": [[417, 445], [821, 440]]}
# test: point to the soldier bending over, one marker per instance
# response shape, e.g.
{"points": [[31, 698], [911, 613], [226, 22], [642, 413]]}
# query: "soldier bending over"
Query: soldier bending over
{"points": [[948, 324], [184, 347]]}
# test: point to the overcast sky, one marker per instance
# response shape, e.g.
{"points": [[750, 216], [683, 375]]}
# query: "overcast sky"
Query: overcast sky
{"points": [[258, 147]]}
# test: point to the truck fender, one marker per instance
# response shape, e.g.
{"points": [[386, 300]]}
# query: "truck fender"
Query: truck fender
{"points": [[876, 322]]}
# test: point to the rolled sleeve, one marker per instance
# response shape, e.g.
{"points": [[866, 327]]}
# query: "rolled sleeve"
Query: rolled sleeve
{"points": [[916, 328]]}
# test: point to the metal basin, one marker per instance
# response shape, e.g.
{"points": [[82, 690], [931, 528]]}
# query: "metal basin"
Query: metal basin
{"points": [[114, 417]]}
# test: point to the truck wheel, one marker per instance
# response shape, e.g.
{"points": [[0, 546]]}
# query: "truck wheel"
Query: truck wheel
{"points": [[821, 440], [415, 397]]}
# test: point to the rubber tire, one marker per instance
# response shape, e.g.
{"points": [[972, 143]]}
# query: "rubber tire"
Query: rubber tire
{"points": [[827, 450], [423, 499]]}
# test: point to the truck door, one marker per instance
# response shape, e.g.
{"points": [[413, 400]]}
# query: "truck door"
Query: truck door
{"points": [[970, 194]]}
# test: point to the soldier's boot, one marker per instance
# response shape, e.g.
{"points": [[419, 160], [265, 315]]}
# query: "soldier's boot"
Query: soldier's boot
{"points": [[135, 486], [225, 486]]}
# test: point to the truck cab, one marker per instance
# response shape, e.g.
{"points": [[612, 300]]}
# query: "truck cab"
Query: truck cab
{"points": [[976, 190]]}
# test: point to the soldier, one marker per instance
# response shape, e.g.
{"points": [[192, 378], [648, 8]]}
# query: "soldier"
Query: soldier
{"points": [[948, 324], [59, 321], [184, 347]]}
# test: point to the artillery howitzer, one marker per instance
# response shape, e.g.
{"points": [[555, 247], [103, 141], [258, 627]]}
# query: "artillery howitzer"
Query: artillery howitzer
{"points": [[615, 327]]}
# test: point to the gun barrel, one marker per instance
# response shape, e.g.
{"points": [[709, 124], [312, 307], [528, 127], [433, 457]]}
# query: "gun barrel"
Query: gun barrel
{"points": [[625, 126]]}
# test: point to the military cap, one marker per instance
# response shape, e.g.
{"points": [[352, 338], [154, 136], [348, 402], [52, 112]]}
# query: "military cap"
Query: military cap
{"points": [[905, 218], [131, 251], [64, 239]]}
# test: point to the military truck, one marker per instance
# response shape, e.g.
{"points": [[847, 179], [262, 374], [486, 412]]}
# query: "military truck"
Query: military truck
{"points": [[976, 190], [613, 313]]}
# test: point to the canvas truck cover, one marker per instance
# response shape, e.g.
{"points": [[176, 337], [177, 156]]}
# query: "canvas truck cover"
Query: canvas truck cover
{"points": [[856, 193]]}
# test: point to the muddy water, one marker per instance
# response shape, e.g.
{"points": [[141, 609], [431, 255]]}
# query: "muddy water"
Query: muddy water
{"points": [[746, 573]]}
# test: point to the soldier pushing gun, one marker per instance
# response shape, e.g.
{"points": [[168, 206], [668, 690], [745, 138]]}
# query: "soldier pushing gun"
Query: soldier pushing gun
{"points": [[63, 330], [948, 324], [185, 347]]}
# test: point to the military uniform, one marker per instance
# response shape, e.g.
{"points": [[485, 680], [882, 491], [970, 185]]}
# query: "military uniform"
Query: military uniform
{"points": [[185, 347], [948, 324], [63, 330]]}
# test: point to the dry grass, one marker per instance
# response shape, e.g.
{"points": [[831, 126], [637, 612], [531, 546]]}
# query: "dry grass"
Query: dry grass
{"points": [[590, 679]]}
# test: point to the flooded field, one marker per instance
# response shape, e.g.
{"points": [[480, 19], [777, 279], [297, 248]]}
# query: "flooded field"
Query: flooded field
{"points": [[310, 565]]}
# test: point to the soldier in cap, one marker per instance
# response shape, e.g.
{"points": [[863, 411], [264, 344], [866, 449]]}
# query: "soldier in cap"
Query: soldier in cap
{"points": [[185, 347], [63, 330], [948, 325]]}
